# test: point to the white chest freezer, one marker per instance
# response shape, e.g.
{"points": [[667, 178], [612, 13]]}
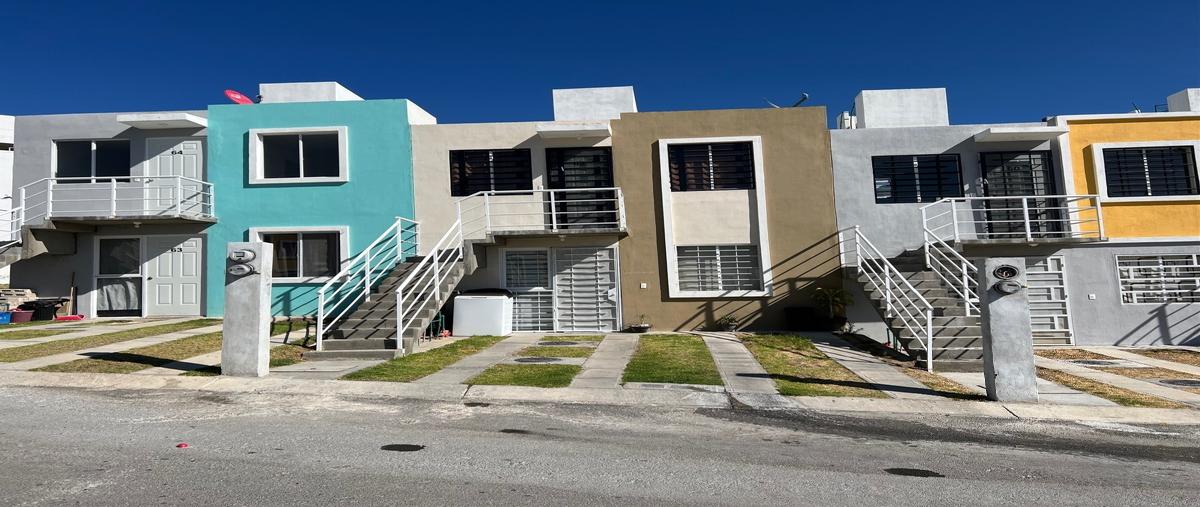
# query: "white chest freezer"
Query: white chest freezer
{"points": [[483, 314]]}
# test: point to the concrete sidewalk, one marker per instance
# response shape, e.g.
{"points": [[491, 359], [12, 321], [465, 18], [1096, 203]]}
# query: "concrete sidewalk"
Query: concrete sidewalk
{"points": [[1048, 392], [604, 368], [1148, 361], [739, 370], [1132, 384], [883, 376], [474, 364], [630, 397]]}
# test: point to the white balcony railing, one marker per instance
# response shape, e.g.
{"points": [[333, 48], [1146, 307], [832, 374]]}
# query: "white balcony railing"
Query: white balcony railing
{"points": [[544, 210], [132, 197], [1029, 218]]}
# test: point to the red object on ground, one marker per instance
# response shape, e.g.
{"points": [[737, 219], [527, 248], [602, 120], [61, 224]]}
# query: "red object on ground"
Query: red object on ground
{"points": [[69, 317], [182, 445], [22, 315], [238, 97]]}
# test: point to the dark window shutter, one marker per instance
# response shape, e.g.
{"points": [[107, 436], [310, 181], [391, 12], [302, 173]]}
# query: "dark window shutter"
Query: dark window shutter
{"points": [[474, 171], [1157, 171], [916, 178], [711, 166]]}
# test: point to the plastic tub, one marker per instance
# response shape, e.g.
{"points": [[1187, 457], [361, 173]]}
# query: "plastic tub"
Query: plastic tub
{"points": [[21, 316], [5, 317]]}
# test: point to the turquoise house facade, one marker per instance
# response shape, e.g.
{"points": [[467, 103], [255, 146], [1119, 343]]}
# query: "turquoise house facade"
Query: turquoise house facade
{"points": [[320, 180]]}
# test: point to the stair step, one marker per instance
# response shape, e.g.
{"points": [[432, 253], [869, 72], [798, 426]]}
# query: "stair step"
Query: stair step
{"points": [[971, 365], [365, 333], [325, 355], [963, 331], [359, 344], [940, 342], [943, 321]]}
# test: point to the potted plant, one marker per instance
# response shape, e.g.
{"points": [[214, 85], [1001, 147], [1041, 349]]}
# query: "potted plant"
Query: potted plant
{"points": [[834, 302], [726, 323], [640, 327]]}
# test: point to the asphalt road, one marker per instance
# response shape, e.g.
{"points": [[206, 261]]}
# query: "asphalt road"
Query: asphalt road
{"points": [[107, 448]]}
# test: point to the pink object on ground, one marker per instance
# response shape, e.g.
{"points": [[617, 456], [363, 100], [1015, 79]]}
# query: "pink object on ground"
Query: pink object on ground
{"points": [[69, 317], [22, 315]]}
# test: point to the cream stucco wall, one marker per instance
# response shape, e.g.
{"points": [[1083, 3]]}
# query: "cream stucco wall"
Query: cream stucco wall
{"points": [[719, 217], [431, 171]]}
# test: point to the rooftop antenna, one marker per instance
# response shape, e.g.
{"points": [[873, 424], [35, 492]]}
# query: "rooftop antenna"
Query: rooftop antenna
{"points": [[1136, 109], [803, 97]]}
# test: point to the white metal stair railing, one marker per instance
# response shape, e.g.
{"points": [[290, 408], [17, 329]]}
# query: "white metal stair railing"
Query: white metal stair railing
{"points": [[954, 270], [117, 196], [901, 300], [10, 226], [424, 281], [354, 283], [492, 211]]}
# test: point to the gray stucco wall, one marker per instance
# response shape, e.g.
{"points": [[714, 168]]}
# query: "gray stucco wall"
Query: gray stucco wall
{"points": [[894, 228], [35, 137], [1092, 270], [50, 275]]}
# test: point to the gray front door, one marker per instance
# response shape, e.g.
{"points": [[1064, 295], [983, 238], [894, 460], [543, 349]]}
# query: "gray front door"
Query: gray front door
{"points": [[585, 289], [173, 275]]}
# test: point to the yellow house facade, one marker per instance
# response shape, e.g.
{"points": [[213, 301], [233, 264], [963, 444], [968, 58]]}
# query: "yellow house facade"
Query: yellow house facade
{"points": [[1104, 154]]}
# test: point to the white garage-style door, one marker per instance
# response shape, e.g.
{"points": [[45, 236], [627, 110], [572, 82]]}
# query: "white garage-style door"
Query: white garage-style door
{"points": [[563, 289]]}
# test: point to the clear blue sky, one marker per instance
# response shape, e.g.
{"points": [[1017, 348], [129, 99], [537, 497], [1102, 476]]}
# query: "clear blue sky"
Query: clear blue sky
{"points": [[498, 61]]}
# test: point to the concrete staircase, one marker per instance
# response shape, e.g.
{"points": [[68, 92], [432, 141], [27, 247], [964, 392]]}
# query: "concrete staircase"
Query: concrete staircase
{"points": [[369, 332], [957, 337]]}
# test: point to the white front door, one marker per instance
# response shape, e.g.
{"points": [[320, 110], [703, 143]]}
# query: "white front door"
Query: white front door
{"points": [[168, 162], [173, 275]]}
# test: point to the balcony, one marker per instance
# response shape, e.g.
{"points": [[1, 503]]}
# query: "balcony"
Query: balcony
{"points": [[122, 199], [1028, 219], [545, 212]]}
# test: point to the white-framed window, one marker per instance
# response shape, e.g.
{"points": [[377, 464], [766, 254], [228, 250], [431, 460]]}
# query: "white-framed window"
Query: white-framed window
{"points": [[1158, 279], [719, 268], [97, 160], [299, 155], [1147, 171], [304, 254], [699, 265]]}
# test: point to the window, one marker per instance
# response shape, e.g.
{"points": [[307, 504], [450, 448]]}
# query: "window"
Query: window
{"points": [[1159, 278], [711, 166], [527, 274], [304, 255], [916, 178], [1150, 171], [93, 159], [719, 268], [301, 155], [474, 171], [119, 256]]}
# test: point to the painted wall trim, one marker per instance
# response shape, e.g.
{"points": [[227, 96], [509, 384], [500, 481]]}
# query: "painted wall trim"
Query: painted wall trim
{"points": [[1102, 182], [256, 155], [764, 247], [343, 246]]}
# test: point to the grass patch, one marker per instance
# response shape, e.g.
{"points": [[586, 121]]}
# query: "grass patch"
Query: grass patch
{"points": [[281, 355], [1112, 393], [1069, 354], [58, 347], [943, 386], [800, 369], [672, 359], [1173, 355], [141, 358], [532, 375], [415, 366], [556, 351], [24, 334], [36, 323], [1152, 374]]}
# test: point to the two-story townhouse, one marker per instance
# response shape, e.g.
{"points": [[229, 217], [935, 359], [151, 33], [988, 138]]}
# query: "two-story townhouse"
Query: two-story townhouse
{"points": [[320, 174], [929, 198], [115, 205]]}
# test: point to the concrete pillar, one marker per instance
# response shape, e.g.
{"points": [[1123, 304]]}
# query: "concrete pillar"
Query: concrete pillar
{"points": [[245, 346], [1008, 368]]}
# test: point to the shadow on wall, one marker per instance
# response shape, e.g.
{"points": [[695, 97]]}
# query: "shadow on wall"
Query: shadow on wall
{"points": [[1178, 324], [795, 280], [294, 300]]}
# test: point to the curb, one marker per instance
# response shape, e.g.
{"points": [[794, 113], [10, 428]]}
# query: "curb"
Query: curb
{"points": [[597, 396]]}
